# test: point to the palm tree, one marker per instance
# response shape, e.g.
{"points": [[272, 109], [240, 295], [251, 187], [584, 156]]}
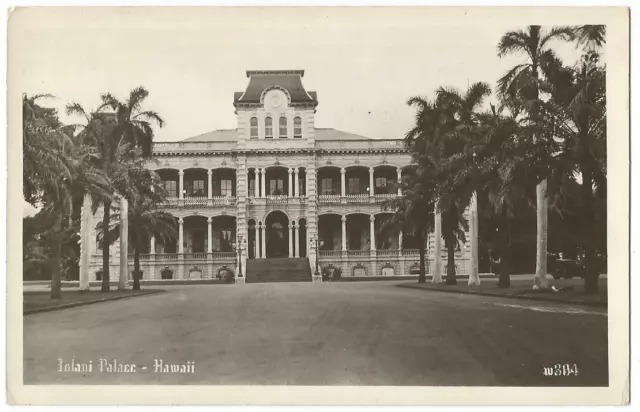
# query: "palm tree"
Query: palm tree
{"points": [[412, 212], [55, 162], [522, 84], [112, 135], [455, 189], [145, 217], [577, 114]]}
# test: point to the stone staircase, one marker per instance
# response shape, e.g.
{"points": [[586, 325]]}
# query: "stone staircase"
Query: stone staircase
{"points": [[278, 270]]}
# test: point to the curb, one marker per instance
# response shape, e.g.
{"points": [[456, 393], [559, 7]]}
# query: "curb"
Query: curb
{"points": [[88, 302], [509, 296]]}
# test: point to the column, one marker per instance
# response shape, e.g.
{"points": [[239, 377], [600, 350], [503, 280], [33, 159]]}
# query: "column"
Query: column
{"points": [[400, 242], [290, 187], [152, 245], [124, 249], [296, 182], [256, 185], [474, 277], [344, 233], [296, 240], [399, 182], [290, 234], [437, 276], [210, 184], [256, 242], [264, 242], [181, 185], [372, 221], [180, 235], [372, 189], [263, 190], [209, 236], [85, 242], [343, 186]]}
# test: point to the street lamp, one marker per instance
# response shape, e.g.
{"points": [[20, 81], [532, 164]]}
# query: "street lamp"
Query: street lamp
{"points": [[314, 242], [242, 243]]}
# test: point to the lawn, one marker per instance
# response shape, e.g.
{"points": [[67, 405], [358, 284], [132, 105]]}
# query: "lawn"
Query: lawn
{"points": [[36, 301], [571, 290]]}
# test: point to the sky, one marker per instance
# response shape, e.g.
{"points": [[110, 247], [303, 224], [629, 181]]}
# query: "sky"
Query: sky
{"points": [[363, 67], [364, 64]]}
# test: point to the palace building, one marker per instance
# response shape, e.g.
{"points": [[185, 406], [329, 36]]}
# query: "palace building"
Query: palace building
{"points": [[276, 196]]}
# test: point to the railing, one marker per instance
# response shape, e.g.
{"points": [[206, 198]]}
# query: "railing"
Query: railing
{"points": [[166, 256], [277, 199], [357, 198], [337, 144], [190, 147], [195, 255], [191, 201], [223, 200], [358, 253], [224, 255], [330, 253], [387, 252], [329, 199], [411, 252], [381, 197]]}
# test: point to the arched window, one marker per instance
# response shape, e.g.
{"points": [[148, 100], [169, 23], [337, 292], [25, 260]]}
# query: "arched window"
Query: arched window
{"points": [[283, 127], [297, 127], [254, 128], [268, 128]]}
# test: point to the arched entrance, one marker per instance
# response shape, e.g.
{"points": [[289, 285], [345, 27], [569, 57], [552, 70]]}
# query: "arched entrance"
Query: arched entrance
{"points": [[277, 228]]}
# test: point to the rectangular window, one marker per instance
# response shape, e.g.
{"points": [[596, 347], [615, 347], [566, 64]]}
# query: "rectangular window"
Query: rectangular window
{"points": [[327, 186], [171, 187], [226, 241], [252, 187], [197, 188], [253, 128], [276, 187], [226, 187], [381, 185], [353, 185]]}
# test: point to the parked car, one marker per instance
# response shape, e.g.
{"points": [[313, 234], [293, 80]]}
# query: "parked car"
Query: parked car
{"points": [[562, 268]]}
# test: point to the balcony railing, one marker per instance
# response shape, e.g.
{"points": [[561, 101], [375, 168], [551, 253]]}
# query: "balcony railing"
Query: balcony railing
{"points": [[329, 199], [192, 201], [277, 199], [224, 255], [381, 197], [387, 252], [330, 253], [198, 256], [357, 198], [411, 252], [397, 144], [358, 253], [223, 200], [166, 256]]}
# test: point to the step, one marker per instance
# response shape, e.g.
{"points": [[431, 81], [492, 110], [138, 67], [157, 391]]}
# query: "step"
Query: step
{"points": [[278, 270]]}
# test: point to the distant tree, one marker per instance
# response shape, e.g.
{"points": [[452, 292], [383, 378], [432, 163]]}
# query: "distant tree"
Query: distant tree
{"points": [[522, 84]]}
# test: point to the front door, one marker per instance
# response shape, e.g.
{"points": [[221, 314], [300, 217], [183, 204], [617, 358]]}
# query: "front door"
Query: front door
{"points": [[277, 235]]}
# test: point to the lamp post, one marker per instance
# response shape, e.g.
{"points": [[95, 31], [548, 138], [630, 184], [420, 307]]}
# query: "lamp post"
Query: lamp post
{"points": [[314, 242], [242, 243]]}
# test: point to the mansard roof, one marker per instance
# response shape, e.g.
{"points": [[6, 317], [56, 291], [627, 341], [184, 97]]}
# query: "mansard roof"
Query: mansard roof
{"points": [[231, 135], [261, 80]]}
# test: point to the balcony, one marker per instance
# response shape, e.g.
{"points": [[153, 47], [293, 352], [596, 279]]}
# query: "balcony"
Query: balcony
{"points": [[329, 199], [357, 198], [199, 201], [330, 253], [358, 253], [388, 252], [277, 199], [215, 256]]}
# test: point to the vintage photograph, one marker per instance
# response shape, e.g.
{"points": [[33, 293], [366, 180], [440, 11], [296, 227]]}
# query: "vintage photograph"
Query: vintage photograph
{"points": [[362, 197]]}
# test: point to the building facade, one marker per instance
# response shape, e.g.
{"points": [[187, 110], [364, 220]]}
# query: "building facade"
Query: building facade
{"points": [[278, 187]]}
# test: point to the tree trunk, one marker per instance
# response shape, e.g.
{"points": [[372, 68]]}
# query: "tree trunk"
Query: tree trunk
{"points": [[105, 246], [542, 206], [451, 264], [422, 278], [504, 279], [56, 281], [136, 265], [590, 268]]}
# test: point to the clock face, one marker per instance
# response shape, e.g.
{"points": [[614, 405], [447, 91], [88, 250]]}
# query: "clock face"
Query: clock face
{"points": [[276, 100]]}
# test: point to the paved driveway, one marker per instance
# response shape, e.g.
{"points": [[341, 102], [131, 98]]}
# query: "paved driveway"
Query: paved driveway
{"points": [[364, 333]]}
